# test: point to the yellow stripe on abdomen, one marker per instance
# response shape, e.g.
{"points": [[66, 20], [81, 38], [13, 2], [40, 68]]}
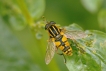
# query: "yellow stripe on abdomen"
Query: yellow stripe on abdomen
{"points": [[68, 52]]}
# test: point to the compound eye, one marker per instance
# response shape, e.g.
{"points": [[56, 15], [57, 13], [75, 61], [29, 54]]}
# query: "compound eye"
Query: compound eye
{"points": [[52, 22], [46, 26]]}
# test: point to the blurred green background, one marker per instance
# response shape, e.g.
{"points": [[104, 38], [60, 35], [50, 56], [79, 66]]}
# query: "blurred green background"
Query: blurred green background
{"points": [[23, 39]]}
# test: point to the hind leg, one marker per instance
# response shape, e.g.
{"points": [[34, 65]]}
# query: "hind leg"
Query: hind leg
{"points": [[63, 56]]}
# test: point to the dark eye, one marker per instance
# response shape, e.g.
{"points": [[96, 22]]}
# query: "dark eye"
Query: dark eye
{"points": [[46, 26], [52, 22]]}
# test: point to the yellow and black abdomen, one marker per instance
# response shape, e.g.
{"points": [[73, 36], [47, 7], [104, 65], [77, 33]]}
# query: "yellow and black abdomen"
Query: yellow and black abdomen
{"points": [[64, 45]]}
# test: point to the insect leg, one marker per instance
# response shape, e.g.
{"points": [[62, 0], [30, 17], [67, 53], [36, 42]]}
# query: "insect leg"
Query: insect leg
{"points": [[63, 56]]}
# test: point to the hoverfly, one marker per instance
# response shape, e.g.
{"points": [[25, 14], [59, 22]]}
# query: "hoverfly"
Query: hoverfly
{"points": [[58, 38]]}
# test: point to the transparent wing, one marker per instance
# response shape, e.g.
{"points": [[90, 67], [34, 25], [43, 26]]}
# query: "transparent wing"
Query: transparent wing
{"points": [[50, 51], [74, 34]]}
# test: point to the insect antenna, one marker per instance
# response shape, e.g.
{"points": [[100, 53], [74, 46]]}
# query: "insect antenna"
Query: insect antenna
{"points": [[44, 19]]}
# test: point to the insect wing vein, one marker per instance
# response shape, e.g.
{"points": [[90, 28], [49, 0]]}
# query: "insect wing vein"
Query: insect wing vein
{"points": [[50, 51], [74, 34]]}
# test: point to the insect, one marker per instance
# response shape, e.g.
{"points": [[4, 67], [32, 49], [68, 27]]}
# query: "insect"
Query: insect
{"points": [[58, 38]]}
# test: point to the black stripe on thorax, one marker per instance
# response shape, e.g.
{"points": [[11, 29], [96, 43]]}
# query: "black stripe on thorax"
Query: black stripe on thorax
{"points": [[57, 29], [54, 30], [50, 32]]}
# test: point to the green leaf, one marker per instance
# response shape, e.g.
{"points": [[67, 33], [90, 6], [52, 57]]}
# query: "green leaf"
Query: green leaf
{"points": [[13, 57], [92, 5], [35, 7], [12, 14], [17, 22], [31, 9], [88, 53], [19, 13]]}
